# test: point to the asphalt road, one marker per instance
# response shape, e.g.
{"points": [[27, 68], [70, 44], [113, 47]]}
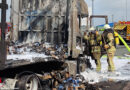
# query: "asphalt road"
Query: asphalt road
{"points": [[121, 85], [121, 50]]}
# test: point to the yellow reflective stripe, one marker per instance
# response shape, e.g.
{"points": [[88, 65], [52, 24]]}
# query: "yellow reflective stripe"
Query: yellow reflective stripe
{"points": [[119, 27]]}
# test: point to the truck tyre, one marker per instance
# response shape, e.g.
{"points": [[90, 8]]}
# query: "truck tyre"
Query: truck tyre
{"points": [[28, 82]]}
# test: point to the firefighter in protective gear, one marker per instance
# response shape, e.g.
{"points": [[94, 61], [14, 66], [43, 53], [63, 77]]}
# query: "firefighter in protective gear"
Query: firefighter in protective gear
{"points": [[85, 40], [95, 40], [87, 49], [108, 36], [85, 36]]}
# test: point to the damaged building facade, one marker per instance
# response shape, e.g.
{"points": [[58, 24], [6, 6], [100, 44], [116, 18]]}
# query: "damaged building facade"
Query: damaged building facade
{"points": [[56, 22]]}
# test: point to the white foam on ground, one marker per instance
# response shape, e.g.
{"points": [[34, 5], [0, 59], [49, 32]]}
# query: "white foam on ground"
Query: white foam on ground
{"points": [[25, 53], [91, 76], [28, 56], [122, 71]]}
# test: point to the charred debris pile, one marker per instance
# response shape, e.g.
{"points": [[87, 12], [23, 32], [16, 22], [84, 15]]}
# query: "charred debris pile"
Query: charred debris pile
{"points": [[18, 60], [50, 71], [55, 51]]}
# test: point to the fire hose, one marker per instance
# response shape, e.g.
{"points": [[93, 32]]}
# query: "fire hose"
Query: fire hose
{"points": [[123, 41]]}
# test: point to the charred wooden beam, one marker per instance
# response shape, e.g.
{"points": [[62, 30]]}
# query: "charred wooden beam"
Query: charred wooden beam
{"points": [[79, 21], [3, 26], [67, 20]]}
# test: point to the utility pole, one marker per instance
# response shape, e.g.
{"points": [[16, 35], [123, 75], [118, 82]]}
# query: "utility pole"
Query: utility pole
{"points": [[112, 18], [93, 12], [3, 27]]}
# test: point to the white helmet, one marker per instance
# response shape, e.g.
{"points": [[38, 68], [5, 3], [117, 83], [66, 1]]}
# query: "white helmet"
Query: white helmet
{"points": [[107, 26], [92, 29]]}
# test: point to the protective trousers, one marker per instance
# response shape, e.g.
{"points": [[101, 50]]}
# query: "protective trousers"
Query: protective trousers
{"points": [[97, 56], [110, 56]]}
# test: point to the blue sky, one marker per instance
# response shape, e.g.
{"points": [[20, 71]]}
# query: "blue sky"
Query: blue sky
{"points": [[8, 11], [117, 8]]}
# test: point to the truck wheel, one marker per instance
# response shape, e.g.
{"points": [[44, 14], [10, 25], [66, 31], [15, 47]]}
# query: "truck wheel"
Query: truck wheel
{"points": [[32, 84], [28, 82]]}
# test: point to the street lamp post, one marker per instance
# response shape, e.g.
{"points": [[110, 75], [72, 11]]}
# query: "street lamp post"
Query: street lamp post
{"points": [[112, 18]]}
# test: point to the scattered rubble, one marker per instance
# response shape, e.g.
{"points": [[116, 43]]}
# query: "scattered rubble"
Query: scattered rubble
{"points": [[36, 57], [45, 60], [35, 49], [50, 81]]}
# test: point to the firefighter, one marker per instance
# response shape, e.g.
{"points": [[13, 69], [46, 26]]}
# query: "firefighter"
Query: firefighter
{"points": [[87, 50], [85, 36], [95, 39], [109, 45], [85, 40]]}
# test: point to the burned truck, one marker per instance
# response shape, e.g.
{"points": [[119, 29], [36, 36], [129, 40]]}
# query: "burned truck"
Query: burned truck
{"points": [[56, 22]]}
